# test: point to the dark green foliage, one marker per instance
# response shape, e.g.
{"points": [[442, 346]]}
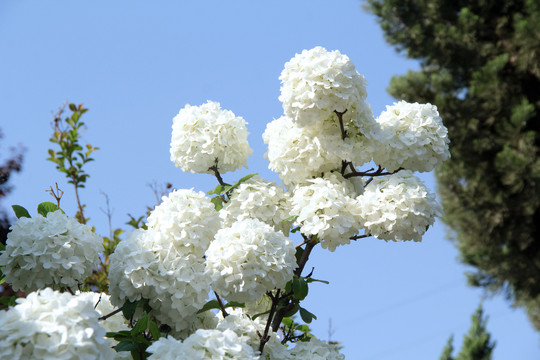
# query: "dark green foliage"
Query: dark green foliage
{"points": [[480, 64], [477, 344]]}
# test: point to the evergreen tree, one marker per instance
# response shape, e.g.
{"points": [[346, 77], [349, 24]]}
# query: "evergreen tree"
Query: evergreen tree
{"points": [[477, 343], [480, 64]]}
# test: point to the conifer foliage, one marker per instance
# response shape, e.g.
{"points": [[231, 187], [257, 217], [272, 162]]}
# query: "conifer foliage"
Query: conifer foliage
{"points": [[480, 64]]}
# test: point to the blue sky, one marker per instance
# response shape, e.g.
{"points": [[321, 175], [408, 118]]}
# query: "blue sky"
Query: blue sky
{"points": [[134, 64]]}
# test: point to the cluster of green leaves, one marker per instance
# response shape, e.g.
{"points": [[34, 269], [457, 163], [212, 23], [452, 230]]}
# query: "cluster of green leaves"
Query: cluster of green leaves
{"points": [[143, 332], [224, 191], [480, 66], [71, 157]]}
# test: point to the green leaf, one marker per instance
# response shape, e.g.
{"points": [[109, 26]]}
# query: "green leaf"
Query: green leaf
{"points": [[125, 346], [72, 107], [140, 326], [300, 288], [128, 309], [235, 304], [298, 254], [229, 188], [218, 203], [20, 211], [260, 314], [212, 304], [288, 287], [306, 315], [217, 190], [154, 330], [292, 310], [290, 218], [310, 280], [296, 229], [288, 322], [46, 207]]}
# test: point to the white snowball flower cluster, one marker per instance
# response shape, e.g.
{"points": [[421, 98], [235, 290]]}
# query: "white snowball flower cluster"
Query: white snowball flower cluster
{"points": [[258, 199], [316, 349], [54, 251], [398, 207], [412, 136], [318, 82], [188, 218], [204, 344], [328, 208], [54, 326], [243, 326], [248, 259], [202, 134], [300, 153], [149, 265]]}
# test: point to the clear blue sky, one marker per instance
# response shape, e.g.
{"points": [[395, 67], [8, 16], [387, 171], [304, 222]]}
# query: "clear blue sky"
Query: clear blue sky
{"points": [[136, 63]]}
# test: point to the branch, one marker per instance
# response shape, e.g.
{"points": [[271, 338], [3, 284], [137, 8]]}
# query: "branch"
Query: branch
{"points": [[223, 311], [342, 127], [356, 237], [265, 337], [216, 173], [105, 317]]}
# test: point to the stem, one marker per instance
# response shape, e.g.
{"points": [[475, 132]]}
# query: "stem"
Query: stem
{"points": [[216, 173], [83, 220], [342, 127], [265, 337], [223, 311], [105, 317], [356, 237]]}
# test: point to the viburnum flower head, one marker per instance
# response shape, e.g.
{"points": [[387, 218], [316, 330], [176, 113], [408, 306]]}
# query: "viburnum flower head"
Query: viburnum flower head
{"points": [[51, 325], [315, 349], [300, 153], [54, 251], [149, 265], [206, 134], [398, 207], [204, 344], [412, 137], [258, 199], [188, 218], [317, 82], [248, 259], [328, 208]]}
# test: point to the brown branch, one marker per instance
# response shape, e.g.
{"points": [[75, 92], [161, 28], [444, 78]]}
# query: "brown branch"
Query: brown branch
{"points": [[341, 126], [216, 173], [105, 317], [265, 337], [222, 308], [56, 195], [356, 237]]}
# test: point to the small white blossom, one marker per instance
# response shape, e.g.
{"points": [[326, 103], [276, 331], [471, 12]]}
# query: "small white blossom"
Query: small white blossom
{"points": [[317, 82], [53, 326], [412, 137], [151, 266], [327, 208], [398, 207], [203, 134], [248, 259], [258, 199], [54, 251], [188, 218], [204, 344], [243, 326], [316, 349]]}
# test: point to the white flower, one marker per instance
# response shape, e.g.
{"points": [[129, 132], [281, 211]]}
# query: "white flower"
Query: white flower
{"points": [[318, 82], [327, 208], [258, 199], [188, 218], [243, 326], [151, 266], [54, 251], [202, 134], [54, 326], [249, 259], [398, 207], [412, 137], [204, 344], [316, 349]]}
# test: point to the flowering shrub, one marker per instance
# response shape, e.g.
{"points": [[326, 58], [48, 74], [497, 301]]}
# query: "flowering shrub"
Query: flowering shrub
{"points": [[232, 242]]}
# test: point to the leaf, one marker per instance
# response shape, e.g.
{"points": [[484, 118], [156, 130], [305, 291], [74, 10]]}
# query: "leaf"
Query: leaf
{"points": [[72, 107], [295, 229], [290, 218], [300, 288], [288, 322], [292, 310], [154, 330], [140, 326], [310, 280], [128, 309], [260, 314], [212, 304], [218, 203], [306, 315], [20, 211], [298, 254], [217, 190], [46, 207], [229, 188], [235, 304], [125, 346]]}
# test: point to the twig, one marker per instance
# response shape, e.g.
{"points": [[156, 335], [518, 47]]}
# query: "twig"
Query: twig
{"points": [[342, 127], [265, 337], [223, 311], [356, 237], [56, 195], [216, 173], [105, 317]]}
